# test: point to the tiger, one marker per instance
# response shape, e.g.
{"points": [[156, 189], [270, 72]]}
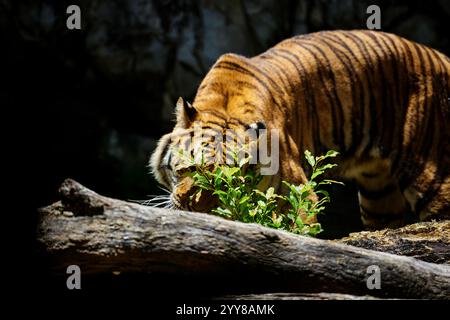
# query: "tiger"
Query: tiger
{"points": [[380, 100]]}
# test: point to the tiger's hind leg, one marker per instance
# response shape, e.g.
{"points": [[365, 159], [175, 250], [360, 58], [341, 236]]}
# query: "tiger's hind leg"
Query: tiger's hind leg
{"points": [[382, 203]]}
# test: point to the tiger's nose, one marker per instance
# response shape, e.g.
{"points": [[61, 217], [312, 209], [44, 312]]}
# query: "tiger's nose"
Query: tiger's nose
{"points": [[193, 199]]}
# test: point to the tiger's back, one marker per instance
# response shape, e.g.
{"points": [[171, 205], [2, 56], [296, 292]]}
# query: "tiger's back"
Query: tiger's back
{"points": [[380, 100]]}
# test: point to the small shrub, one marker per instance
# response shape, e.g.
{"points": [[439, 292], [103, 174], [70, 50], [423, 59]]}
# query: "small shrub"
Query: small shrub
{"points": [[239, 198]]}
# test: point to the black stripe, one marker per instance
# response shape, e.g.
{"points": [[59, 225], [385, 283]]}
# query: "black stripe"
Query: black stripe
{"points": [[211, 84], [408, 170], [274, 64], [401, 151], [245, 70], [438, 58], [215, 113], [244, 84], [430, 110], [356, 136], [237, 121], [226, 66], [362, 96], [400, 109], [279, 71], [310, 102], [217, 130], [337, 141], [164, 166], [372, 104], [385, 125], [421, 125], [251, 105], [337, 109], [223, 65], [297, 120], [395, 101]]}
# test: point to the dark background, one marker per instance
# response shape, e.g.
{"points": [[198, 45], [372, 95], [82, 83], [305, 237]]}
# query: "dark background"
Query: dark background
{"points": [[93, 102]]}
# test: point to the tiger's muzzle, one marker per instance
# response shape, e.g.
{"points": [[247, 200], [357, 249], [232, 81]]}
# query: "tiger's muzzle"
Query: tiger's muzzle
{"points": [[187, 196]]}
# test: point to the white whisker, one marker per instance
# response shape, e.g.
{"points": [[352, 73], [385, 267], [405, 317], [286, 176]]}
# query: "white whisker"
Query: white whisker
{"points": [[156, 200], [162, 204], [164, 189]]}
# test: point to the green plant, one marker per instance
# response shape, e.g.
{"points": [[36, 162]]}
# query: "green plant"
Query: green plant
{"points": [[303, 207], [236, 187]]}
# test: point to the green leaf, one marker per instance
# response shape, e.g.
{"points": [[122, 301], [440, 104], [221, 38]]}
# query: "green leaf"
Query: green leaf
{"points": [[293, 201], [316, 174], [233, 171], [229, 173], [202, 182], [309, 157], [323, 192], [299, 221], [327, 166], [259, 193], [223, 212], [277, 221], [219, 192], [314, 229], [270, 192], [244, 199], [244, 161], [331, 153], [291, 216], [332, 181]]}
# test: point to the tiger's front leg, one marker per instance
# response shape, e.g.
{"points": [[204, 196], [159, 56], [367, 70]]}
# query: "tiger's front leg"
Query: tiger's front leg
{"points": [[383, 206], [382, 203]]}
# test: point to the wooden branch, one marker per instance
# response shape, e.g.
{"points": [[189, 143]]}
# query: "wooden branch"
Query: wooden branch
{"points": [[104, 235]]}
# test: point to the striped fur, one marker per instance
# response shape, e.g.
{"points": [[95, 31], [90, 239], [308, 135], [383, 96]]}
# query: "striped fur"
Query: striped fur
{"points": [[380, 100]]}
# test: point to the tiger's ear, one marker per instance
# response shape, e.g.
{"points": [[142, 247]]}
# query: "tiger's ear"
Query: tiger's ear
{"points": [[185, 113], [258, 125], [255, 127]]}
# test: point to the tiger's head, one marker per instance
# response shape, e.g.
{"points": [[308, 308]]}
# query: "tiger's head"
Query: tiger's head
{"points": [[207, 134]]}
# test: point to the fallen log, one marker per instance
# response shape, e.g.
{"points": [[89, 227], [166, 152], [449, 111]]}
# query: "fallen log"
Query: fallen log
{"points": [[104, 235]]}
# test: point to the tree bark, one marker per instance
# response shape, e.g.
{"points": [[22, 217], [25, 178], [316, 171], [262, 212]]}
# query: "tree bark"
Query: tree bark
{"points": [[104, 235]]}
